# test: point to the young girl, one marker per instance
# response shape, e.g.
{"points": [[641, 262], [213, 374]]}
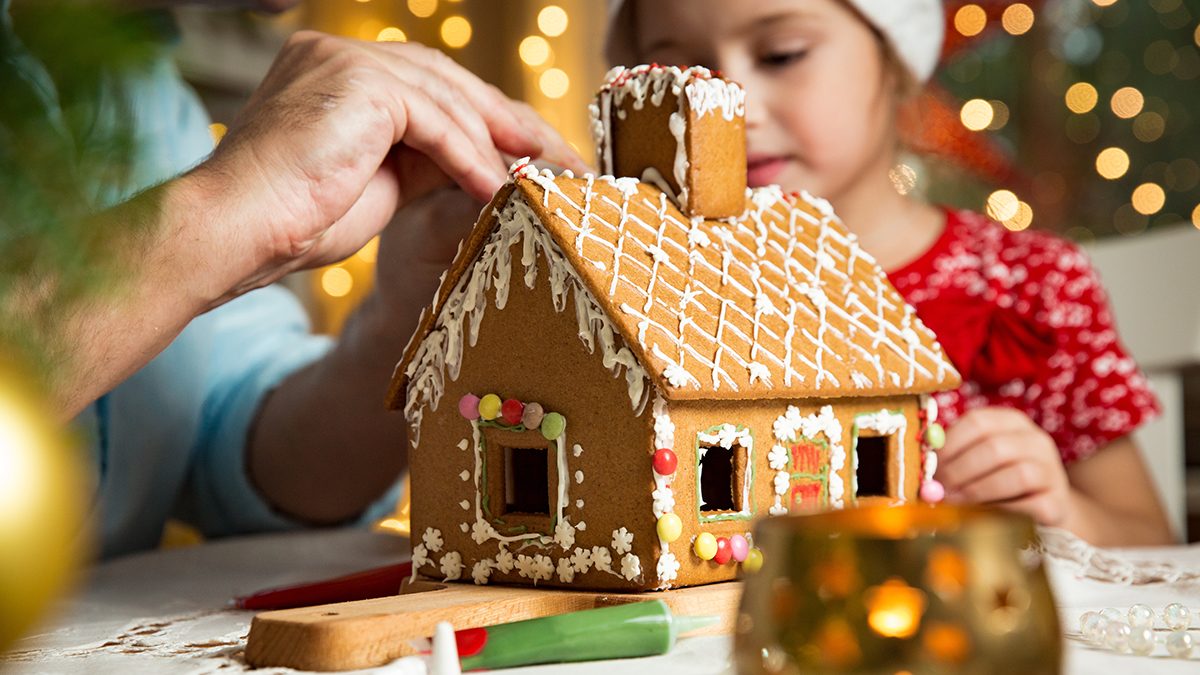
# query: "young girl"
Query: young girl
{"points": [[1042, 422]]}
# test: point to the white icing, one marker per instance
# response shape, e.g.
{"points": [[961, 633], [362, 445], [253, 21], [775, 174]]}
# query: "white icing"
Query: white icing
{"points": [[464, 527], [504, 560], [579, 477], [564, 534], [777, 458], [668, 567], [463, 444], [576, 450], [451, 566], [481, 571], [931, 463], [727, 436], [420, 557], [566, 573], [663, 498], [930, 405], [432, 539], [465, 475], [631, 567], [440, 353], [622, 540], [579, 504], [781, 482], [581, 560], [884, 423], [466, 505], [601, 559], [792, 426]]}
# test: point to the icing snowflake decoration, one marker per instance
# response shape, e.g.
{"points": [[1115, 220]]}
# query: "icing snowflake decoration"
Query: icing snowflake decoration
{"points": [[432, 539], [622, 540]]}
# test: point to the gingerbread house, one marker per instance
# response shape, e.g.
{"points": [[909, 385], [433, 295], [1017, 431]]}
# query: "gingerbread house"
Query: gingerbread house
{"points": [[619, 373]]}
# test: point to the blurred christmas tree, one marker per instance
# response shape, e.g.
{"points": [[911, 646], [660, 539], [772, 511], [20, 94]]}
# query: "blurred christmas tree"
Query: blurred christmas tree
{"points": [[1076, 116]]}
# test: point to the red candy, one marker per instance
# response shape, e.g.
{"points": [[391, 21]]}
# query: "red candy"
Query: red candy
{"points": [[665, 462], [724, 551], [511, 411]]}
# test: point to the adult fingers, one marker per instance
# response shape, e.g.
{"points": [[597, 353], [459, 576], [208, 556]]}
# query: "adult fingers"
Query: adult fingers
{"points": [[509, 132], [1042, 507]]}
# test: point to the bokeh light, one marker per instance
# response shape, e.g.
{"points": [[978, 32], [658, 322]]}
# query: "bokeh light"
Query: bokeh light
{"points": [[552, 20], [456, 32], [976, 114], [1149, 127], [1148, 198], [422, 8], [1081, 97], [391, 34], [369, 252], [1103, 3], [534, 50], [1017, 19], [1196, 217], [1000, 115], [1022, 219], [970, 20], [1112, 163], [1003, 205], [554, 83], [903, 177], [336, 282], [218, 131], [1127, 102]]}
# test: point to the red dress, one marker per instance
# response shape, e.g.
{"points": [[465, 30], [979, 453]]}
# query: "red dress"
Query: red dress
{"points": [[1023, 317]]}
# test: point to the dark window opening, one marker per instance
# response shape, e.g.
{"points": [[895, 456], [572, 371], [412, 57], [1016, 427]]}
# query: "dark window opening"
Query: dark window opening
{"points": [[526, 481], [719, 479], [872, 471]]}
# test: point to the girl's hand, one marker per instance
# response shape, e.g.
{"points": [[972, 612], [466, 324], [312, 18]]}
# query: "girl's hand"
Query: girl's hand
{"points": [[998, 456]]}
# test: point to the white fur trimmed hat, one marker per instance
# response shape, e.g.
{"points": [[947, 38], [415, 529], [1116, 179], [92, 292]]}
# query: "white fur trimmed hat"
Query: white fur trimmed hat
{"points": [[913, 28]]}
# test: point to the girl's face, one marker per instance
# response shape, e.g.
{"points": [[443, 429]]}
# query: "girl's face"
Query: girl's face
{"points": [[819, 110]]}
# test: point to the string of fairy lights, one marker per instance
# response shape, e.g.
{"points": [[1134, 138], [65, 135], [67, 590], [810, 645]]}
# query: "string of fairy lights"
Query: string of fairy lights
{"points": [[1101, 114]]}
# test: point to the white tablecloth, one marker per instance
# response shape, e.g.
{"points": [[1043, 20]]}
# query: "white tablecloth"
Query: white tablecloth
{"points": [[166, 611]]}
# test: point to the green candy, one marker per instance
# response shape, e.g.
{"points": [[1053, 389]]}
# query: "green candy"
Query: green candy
{"points": [[935, 436], [553, 424]]}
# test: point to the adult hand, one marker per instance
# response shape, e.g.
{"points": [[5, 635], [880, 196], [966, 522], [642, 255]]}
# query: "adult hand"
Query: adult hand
{"points": [[998, 456], [341, 133]]}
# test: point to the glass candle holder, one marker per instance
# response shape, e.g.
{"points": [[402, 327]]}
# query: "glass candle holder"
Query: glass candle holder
{"points": [[889, 589]]}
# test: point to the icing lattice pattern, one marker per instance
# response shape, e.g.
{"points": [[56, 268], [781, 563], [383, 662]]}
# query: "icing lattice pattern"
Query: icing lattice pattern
{"points": [[781, 301]]}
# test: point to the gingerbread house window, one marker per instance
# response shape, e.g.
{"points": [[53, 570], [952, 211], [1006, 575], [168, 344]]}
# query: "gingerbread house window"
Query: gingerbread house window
{"points": [[871, 470], [521, 476], [723, 473]]}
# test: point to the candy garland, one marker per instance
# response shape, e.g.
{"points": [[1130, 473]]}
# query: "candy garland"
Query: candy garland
{"points": [[933, 438], [668, 526]]}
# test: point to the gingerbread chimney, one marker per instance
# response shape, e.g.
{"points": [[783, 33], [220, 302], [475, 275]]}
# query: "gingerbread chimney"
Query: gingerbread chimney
{"points": [[683, 130]]}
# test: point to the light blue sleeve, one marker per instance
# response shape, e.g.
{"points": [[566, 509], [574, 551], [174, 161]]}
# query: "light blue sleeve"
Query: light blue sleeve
{"points": [[259, 340]]}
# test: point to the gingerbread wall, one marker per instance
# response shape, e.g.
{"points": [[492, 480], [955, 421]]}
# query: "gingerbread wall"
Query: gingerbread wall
{"points": [[759, 418], [532, 352]]}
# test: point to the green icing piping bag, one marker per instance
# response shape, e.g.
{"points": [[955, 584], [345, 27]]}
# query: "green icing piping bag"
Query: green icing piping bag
{"points": [[620, 631]]}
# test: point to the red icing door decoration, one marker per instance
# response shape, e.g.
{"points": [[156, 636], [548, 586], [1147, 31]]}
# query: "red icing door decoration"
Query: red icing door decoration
{"points": [[809, 476]]}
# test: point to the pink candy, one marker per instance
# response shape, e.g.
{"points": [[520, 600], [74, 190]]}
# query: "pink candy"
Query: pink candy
{"points": [[739, 546], [468, 406], [933, 492]]}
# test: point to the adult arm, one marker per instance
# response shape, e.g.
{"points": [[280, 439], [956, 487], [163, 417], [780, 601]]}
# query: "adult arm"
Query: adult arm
{"points": [[339, 135]]}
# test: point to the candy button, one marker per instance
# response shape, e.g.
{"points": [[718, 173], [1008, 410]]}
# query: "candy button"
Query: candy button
{"points": [[754, 561], [935, 436], [532, 416], [553, 425], [705, 547], [739, 546], [932, 492], [669, 527], [468, 406], [724, 551], [511, 411], [489, 407], [665, 462]]}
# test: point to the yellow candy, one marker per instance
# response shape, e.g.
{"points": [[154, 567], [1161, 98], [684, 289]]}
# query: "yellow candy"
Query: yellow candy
{"points": [[670, 527], [705, 546], [489, 407], [753, 562]]}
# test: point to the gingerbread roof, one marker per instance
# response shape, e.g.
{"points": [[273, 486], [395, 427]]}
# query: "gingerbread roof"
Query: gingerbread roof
{"points": [[780, 302]]}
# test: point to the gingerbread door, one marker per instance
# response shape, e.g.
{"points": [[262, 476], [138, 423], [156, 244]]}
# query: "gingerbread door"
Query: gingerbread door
{"points": [[809, 487]]}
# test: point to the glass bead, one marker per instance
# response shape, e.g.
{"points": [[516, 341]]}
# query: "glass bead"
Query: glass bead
{"points": [[1177, 617], [1111, 614], [1141, 640], [1116, 636], [1179, 644], [1091, 626], [1141, 615]]}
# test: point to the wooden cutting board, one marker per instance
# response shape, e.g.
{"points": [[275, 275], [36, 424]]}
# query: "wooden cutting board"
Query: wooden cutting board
{"points": [[368, 633]]}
